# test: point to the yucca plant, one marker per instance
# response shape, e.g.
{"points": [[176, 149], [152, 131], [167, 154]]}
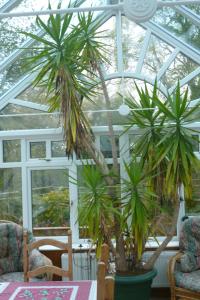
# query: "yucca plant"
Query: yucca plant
{"points": [[165, 148], [68, 62], [60, 66]]}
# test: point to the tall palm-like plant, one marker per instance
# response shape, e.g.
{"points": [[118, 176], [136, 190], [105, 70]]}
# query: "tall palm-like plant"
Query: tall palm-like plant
{"points": [[68, 62], [92, 55], [57, 63], [166, 147]]}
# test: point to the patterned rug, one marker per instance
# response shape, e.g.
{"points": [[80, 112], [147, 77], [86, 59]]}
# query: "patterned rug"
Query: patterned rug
{"points": [[55, 290]]}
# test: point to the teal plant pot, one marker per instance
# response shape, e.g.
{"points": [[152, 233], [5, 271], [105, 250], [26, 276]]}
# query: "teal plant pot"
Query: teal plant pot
{"points": [[134, 287]]}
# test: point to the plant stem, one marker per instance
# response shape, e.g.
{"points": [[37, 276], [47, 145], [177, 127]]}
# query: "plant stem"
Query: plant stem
{"points": [[150, 263], [120, 251]]}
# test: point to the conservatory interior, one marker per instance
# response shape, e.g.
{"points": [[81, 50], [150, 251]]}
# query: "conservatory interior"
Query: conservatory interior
{"points": [[99, 135]]}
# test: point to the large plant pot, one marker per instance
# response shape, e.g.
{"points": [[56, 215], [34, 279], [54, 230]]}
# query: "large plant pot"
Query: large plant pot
{"points": [[134, 287]]}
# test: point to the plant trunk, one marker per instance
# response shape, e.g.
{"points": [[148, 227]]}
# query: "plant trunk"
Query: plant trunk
{"points": [[150, 263], [121, 263]]}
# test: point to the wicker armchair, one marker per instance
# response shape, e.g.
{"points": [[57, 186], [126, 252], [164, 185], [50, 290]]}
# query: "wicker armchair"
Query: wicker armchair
{"points": [[184, 267]]}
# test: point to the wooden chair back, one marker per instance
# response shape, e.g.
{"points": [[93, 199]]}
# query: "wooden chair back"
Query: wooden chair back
{"points": [[29, 246], [105, 284]]}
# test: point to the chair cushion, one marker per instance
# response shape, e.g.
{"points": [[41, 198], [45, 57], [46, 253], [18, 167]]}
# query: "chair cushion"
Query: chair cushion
{"points": [[18, 277], [11, 237], [190, 237], [12, 276], [37, 259], [188, 262], [188, 281]]}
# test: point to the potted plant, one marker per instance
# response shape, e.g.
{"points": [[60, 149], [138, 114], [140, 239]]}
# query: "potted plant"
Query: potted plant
{"points": [[161, 164], [122, 215]]}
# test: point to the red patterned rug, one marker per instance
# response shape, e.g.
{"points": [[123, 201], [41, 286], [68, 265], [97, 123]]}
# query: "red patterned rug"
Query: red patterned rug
{"points": [[55, 290]]}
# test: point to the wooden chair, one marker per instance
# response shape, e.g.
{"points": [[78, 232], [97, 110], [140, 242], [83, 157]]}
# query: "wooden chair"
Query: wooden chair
{"points": [[105, 284], [49, 270]]}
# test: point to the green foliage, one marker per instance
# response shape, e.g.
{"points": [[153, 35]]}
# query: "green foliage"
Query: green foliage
{"points": [[53, 209], [135, 204], [166, 143], [96, 205], [62, 62]]}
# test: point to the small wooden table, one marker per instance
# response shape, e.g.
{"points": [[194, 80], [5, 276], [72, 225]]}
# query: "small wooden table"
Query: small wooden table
{"points": [[49, 290]]}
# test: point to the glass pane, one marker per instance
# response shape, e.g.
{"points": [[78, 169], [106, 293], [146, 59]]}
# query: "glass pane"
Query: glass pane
{"points": [[114, 87], [181, 67], [18, 109], [58, 149], [11, 151], [50, 198], [179, 25], [37, 149], [11, 195], [157, 54], [29, 122], [108, 31], [193, 87], [2, 2], [105, 146], [10, 37], [10, 76], [194, 7], [132, 41], [34, 94]]}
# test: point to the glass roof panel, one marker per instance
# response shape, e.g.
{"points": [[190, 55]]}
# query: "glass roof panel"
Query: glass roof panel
{"points": [[10, 37], [101, 119], [195, 8], [193, 88], [109, 35], [2, 2], [17, 109], [179, 25], [132, 41], [26, 118], [10, 76], [157, 53], [116, 88], [34, 94], [20, 122], [179, 68]]}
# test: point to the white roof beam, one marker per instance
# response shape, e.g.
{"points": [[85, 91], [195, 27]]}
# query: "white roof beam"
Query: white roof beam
{"points": [[16, 89], [9, 60], [9, 5], [138, 76], [119, 41], [189, 14], [29, 104], [171, 39], [70, 10], [186, 79], [166, 65], [143, 51], [194, 102]]}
